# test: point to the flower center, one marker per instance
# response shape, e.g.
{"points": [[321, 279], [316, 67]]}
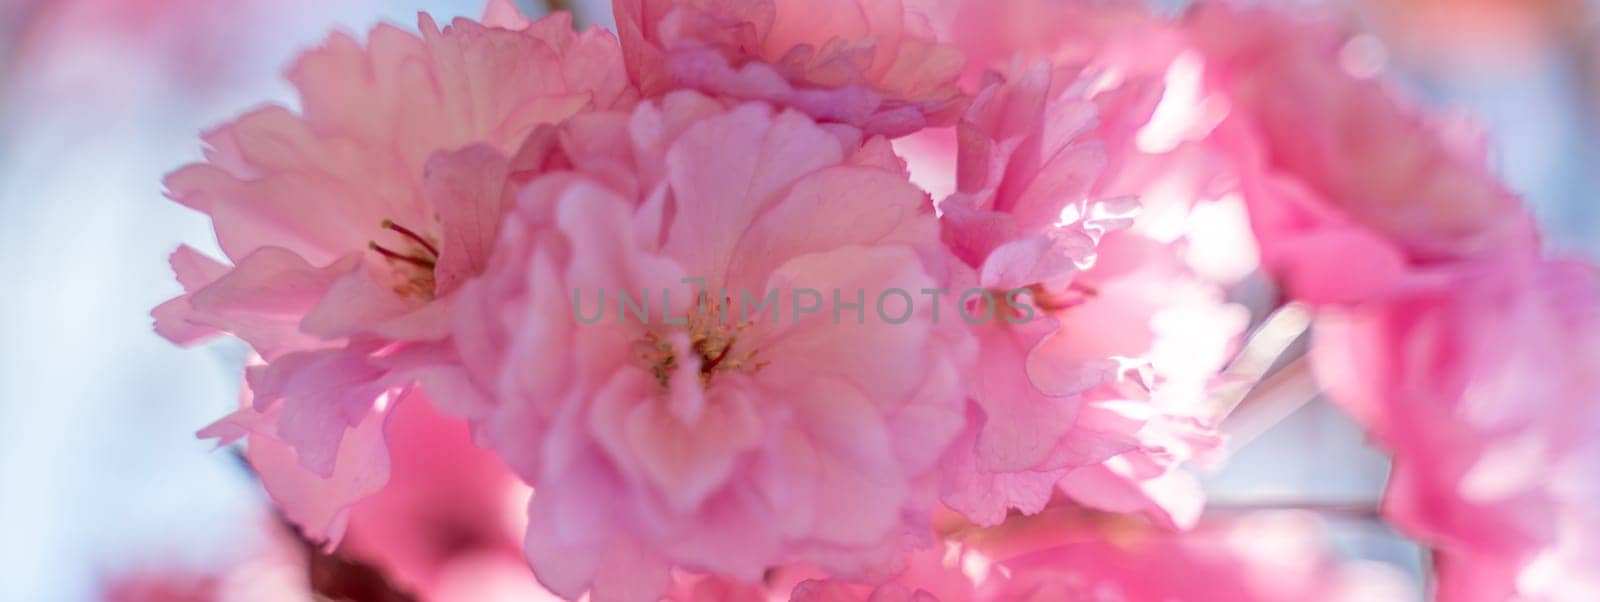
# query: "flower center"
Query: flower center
{"points": [[711, 338], [413, 268], [1076, 294]]}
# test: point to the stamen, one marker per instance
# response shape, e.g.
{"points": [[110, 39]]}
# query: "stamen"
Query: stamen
{"points": [[711, 338], [417, 261], [406, 232], [711, 365]]}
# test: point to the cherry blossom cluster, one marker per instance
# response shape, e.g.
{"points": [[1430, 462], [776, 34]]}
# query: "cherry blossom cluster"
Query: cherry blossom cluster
{"points": [[414, 257]]}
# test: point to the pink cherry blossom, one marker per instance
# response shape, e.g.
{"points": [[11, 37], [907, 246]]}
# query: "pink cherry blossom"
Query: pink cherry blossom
{"points": [[1164, 333], [1156, 113], [1067, 554], [1224, 102], [357, 458], [1353, 193], [1483, 390], [1156, 303], [392, 168], [1022, 163], [592, 255], [448, 507], [1112, 392], [351, 224], [730, 441], [1440, 328], [868, 63]]}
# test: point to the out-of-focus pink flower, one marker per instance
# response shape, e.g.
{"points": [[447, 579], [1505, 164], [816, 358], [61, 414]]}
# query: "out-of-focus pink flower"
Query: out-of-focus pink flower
{"points": [[351, 224], [487, 578], [448, 507], [413, 498], [1353, 195], [1484, 391], [1440, 327], [1067, 554], [271, 567], [717, 429], [868, 63], [161, 588], [61, 43]]}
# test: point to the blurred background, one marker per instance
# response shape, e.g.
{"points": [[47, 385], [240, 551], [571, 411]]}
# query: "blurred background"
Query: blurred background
{"points": [[100, 474]]}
